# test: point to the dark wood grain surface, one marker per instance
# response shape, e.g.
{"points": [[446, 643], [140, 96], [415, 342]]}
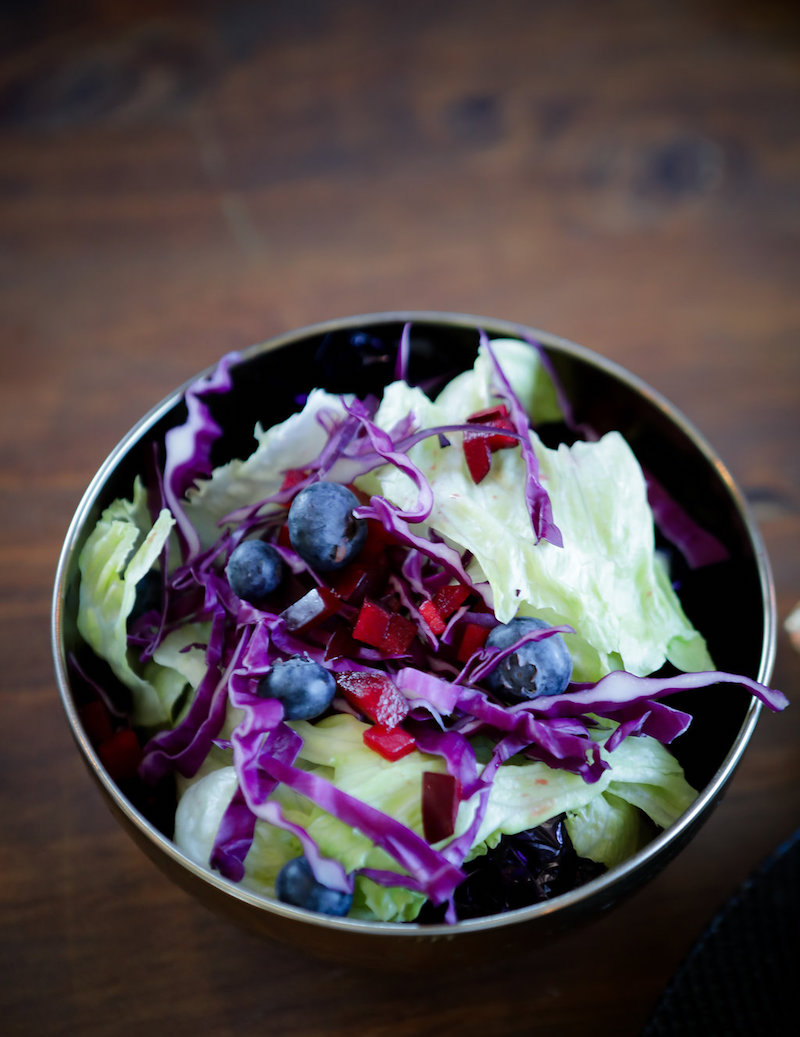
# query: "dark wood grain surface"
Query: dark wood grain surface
{"points": [[177, 180]]}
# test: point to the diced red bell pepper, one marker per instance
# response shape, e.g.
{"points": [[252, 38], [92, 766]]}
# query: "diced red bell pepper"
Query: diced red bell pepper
{"points": [[450, 597], [372, 624], [313, 608], [375, 695], [399, 635], [478, 456], [430, 614], [388, 631], [96, 721], [478, 447], [499, 418], [390, 743], [121, 754], [441, 794], [473, 638]]}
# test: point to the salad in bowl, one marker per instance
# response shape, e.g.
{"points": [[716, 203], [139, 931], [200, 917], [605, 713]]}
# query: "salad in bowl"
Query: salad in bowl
{"points": [[418, 646]]}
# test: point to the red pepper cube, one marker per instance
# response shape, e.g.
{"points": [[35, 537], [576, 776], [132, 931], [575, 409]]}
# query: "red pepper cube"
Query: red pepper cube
{"points": [[499, 418], [473, 638], [450, 597], [121, 755], [372, 623], [312, 609], [399, 635], [390, 743], [375, 695], [96, 721], [489, 415], [430, 614], [478, 447], [500, 442], [441, 794], [477, 455]]}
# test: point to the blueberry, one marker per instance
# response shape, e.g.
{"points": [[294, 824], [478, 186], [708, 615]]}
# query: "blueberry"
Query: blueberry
{"points": [[296, 885], [305, 688], [254, 570], [536, 668], [322, 527]]}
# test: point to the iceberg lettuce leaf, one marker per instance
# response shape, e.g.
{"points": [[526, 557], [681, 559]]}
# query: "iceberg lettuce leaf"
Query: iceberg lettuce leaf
{"points": [[608, 830], [122, 547], [606, 581]]}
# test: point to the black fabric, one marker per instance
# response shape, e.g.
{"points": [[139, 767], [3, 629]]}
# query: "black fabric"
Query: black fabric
{"points": [[743, 974]]}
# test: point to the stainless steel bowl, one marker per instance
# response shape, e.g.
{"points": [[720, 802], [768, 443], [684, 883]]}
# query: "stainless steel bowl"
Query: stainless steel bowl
{"points": [[736, 594]]}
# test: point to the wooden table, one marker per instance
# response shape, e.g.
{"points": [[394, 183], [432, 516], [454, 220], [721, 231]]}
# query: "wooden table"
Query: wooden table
{"points": [[176, 184]]}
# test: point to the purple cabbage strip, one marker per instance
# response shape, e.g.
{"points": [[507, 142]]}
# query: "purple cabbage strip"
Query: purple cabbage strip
{"points": [[648, 717], [697, 545], [417, 685], [234, 838], [450, 560], [457, 753], [185, 747], [536, 496], [326, 870], [188, 448], [410, 850], [344, 433], [388, 452], [556, 747], [384, 877], [621, 688]]}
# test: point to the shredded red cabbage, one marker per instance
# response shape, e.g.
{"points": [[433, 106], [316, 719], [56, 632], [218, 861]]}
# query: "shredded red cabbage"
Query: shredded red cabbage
{"points": [[697, 545], [188, 447], [536, 497], [184, 748]]}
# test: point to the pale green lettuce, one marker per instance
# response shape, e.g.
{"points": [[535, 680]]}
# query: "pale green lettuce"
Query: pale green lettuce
{"points": [[120, 550], [606, 581]]}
